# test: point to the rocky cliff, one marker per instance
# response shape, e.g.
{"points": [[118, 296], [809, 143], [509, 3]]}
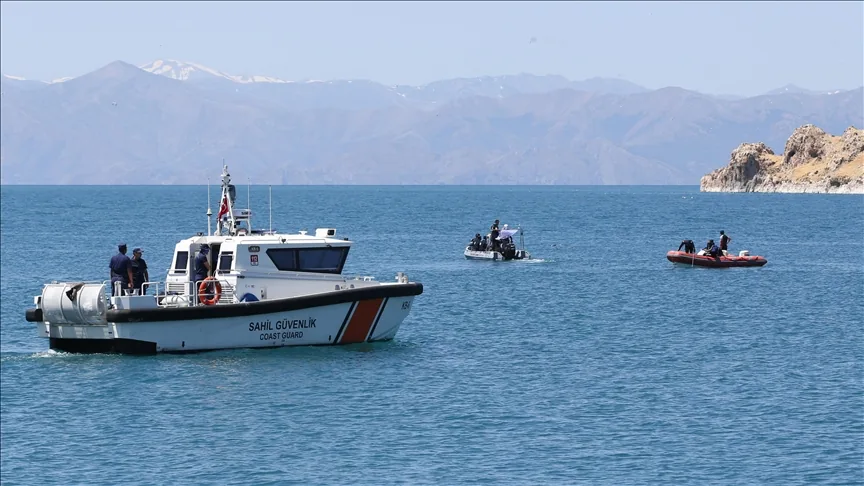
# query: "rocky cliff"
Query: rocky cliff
{"points": [[812, 161]]}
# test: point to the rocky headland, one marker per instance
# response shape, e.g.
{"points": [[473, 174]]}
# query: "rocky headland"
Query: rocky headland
{"points": [[812, 161]]}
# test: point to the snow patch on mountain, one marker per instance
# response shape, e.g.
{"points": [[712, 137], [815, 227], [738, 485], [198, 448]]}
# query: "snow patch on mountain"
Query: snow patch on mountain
{"points": [[186, 71]]}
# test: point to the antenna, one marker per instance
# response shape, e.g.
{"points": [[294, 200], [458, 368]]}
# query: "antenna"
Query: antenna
{"points": [[209, 211], [270, 204], [249, 203], [521, 236]]}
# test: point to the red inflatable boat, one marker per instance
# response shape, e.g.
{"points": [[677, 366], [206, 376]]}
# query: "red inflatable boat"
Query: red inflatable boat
{"points": [[721, 262]]}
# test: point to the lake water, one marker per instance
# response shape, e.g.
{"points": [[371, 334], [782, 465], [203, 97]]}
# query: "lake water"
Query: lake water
{"points": [[602, 363]]}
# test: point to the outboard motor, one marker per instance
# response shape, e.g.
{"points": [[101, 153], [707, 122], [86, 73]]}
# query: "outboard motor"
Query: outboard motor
{"points": [[509, 252]]}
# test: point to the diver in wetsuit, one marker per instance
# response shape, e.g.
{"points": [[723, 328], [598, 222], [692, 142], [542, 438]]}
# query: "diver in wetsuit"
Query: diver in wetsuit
{"points": [[688, 245]]}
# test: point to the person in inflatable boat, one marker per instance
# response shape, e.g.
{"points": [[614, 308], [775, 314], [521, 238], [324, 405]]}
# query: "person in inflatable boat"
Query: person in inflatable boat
{"points": [[712, 249], [688, 245]]}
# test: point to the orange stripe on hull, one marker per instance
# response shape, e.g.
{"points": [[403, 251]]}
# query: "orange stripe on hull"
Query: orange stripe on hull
{"points": [[361, 321]]}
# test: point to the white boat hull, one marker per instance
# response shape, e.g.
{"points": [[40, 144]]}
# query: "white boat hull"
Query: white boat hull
{"points": [[494, 255], [364, 320]]}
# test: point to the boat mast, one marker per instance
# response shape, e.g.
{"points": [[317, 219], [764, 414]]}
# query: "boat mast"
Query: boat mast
{"points": [[209, 212], [228, 201]]}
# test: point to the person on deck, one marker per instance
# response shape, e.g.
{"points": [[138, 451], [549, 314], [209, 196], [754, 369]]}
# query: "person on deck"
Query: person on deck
{"points": [[484, 244], [493, 232], [202, 266], [724, 241], [139, 271], [121, 269], [475, 242]]}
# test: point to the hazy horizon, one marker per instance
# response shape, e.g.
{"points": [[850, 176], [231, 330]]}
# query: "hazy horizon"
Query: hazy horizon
{"points": [[414, 43]]}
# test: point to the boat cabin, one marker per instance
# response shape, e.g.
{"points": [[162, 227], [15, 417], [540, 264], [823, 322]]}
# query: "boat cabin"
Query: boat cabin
{"points": [[249, 263], [259, 257]]}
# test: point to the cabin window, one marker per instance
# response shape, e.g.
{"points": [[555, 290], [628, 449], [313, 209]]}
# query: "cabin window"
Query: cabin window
{"points": [[225, 260], [318, 260], [285, 259], [181, 262], [322, 260]]}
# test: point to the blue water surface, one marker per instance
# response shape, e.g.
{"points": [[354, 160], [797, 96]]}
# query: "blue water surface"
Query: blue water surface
{"points": [[601, 363]]}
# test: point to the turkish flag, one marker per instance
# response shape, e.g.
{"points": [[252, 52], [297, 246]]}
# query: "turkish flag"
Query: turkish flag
{"points": [[223, 209]]}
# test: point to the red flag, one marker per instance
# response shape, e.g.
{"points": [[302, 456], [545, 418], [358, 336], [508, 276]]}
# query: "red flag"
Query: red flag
{"points": [[223, 209]]}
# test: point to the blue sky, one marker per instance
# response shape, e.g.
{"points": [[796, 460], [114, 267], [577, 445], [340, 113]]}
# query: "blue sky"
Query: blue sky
{"points": [[717, 47]]}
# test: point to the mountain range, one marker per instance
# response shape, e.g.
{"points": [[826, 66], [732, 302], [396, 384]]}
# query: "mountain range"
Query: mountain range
{"points": [[174, 121]]}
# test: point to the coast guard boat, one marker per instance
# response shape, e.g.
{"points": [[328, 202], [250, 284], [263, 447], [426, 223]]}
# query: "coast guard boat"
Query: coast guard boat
{"points": [[506, 250], [266, 289]]}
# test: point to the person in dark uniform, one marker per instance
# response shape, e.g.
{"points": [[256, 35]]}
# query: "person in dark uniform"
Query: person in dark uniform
{"points": [[493, 234], [121, 270], [475, 243], [139, 271], [484, 244], [202, 266], [724, 241], [202, 269]]}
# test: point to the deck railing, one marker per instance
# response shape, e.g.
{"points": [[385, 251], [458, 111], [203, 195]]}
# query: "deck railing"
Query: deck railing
{"points": [[188, 292]]}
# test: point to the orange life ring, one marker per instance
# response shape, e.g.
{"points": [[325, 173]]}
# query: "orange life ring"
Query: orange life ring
{"points": [[202, 289]]}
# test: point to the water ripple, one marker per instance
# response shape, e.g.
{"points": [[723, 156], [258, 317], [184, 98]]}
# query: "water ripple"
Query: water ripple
{"points": [[600, 364]]}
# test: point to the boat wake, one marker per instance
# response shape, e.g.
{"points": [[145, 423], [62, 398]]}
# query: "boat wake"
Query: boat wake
{"points": [[535, 261], [17, 355]]}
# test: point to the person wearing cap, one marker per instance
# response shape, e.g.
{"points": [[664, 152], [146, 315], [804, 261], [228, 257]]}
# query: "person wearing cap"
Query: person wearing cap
{"points": [[202, 269], [139, 271], [121, 269], [202, 266]]}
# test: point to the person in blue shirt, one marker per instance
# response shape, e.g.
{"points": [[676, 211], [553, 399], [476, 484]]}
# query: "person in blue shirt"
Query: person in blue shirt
{"points": [[712, 249], [121, 269], [202, 270], [202, 266]]}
